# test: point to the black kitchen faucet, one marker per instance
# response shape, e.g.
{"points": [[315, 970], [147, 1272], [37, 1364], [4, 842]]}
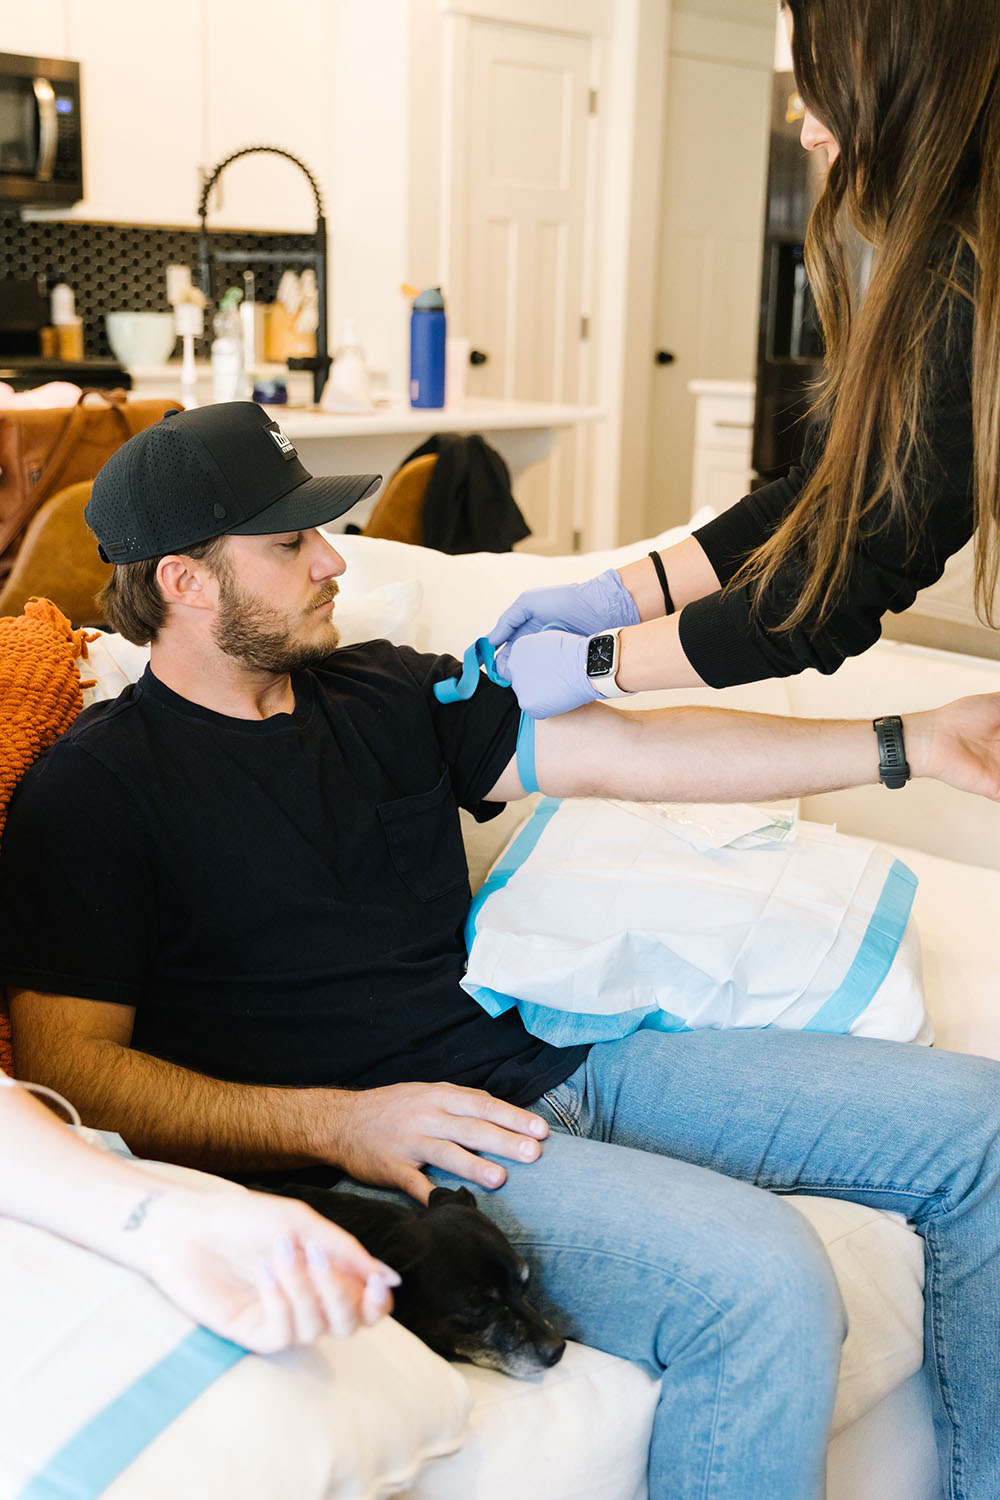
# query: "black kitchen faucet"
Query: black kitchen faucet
{"points": [[318, 363]]}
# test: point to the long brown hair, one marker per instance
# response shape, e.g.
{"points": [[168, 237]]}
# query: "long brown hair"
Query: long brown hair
{"points": [[910, 91]]}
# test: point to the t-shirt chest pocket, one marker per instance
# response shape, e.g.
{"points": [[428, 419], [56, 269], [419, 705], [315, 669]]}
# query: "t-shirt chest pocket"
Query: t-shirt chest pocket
{"points": [[424, 837]]}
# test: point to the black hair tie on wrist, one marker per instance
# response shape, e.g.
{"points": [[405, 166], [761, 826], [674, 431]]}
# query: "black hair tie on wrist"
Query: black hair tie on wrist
{"points": [[662, 578]]}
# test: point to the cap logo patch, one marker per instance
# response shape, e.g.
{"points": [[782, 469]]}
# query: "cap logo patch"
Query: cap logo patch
{"points": [[282, 443]]}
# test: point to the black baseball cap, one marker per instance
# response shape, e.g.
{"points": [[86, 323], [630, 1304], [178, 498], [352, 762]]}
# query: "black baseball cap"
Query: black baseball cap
{"points": [[226, 469]]}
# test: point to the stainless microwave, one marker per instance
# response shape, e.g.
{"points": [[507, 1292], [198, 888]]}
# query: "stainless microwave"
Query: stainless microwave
{"points": [[41, 139]]}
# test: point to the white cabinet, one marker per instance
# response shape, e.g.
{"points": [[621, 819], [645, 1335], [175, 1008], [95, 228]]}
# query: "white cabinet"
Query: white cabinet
{"points": [[168, 93], [142, 112], [722, 444], [268, 83], [38, 29]]}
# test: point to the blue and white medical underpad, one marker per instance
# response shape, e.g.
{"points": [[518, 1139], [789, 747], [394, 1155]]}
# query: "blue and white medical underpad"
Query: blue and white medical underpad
{"points": [[601, 918]]}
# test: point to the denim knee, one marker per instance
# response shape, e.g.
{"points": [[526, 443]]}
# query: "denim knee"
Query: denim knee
{"points": [[788, 1281]]}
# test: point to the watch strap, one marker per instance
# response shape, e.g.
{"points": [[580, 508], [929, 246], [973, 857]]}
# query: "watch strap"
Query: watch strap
{"points": [[892, 767]]}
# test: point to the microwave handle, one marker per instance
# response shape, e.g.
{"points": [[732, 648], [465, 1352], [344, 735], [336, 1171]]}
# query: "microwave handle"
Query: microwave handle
{"points": [[45, 98]]}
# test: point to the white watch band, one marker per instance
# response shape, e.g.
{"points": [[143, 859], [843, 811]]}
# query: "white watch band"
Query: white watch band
{"points": [[604, 682]]}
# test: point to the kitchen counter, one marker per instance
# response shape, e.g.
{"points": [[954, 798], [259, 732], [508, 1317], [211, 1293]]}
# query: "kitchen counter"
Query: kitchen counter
{"points": [[377, 442], [523, 432], [400, 417]]}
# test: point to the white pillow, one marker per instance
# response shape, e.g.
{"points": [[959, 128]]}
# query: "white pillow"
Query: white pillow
{"points": [[602, 917], [347, 1419], [389, 612], [112, 663]]}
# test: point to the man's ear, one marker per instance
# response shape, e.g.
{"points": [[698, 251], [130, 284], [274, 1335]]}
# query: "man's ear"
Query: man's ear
{"points": [[186, 582]]}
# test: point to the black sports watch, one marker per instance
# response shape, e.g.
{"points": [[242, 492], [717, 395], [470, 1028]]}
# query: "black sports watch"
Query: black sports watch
{"points": [[892, 768], [602, 664]]}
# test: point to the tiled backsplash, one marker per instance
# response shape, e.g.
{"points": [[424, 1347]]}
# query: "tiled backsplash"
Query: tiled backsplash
{"points": [[123, 266]]}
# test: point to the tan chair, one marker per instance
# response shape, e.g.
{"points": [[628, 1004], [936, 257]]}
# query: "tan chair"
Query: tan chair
{"points": [[58, 560], [399, 511]]}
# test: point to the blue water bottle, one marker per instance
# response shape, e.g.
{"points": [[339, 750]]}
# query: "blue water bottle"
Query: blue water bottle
{"points": [[427, 334]]}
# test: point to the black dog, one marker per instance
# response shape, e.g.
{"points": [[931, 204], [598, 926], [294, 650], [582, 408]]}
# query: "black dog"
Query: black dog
{"points": [[463, 1281]]}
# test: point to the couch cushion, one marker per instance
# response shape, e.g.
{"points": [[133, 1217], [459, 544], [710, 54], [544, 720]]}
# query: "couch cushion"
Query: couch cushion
{"points": [[955, 909], [345, 1418]]}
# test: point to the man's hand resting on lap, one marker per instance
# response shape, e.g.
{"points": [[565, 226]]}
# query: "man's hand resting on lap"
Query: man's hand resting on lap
{"points": [[385, 1136]]}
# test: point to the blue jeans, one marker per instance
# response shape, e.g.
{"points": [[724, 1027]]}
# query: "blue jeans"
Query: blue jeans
{"points": [[649, 1236]]}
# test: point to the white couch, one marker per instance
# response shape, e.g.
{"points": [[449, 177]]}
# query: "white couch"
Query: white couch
{"points": [[582, 1429]]}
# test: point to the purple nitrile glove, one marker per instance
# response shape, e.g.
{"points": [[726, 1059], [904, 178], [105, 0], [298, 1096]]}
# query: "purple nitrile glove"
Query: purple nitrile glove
{"points": [[548, 672], [602, 603]]}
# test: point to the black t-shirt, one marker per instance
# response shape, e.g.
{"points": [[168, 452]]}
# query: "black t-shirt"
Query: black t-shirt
{"points": [[283, 900], [727, 641]]}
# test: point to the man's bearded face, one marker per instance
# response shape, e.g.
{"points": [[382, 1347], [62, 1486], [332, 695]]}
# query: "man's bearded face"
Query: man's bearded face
{"points": [[267, 638]]}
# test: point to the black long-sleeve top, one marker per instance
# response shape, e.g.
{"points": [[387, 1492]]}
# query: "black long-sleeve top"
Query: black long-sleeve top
{"points": [[729, 642]]}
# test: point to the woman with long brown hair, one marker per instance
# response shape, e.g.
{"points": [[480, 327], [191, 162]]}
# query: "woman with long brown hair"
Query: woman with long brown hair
{"points": [[902, 460]]}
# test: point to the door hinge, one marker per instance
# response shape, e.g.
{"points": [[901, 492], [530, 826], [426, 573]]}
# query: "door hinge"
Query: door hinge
{"points": [[585, 328], [592, 102], [578, 541]]}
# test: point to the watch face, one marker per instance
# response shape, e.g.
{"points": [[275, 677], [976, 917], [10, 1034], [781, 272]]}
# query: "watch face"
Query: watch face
{"points": [[600, 655]]}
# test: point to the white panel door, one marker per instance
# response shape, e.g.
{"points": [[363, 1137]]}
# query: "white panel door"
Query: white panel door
{"points": [[268, 83], [519, 211], [715, 166]]}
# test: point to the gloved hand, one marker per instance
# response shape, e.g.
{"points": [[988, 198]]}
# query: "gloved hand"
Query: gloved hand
{"points": [[548, 672], [584, 608]]}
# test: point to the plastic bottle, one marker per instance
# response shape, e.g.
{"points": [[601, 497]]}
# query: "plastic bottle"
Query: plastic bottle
{"points": [[228, 376], [68, 326], [427, 345], [348, 388]]}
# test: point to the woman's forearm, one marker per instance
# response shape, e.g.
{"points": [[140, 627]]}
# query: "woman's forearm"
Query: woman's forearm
{"points": [[689, 574], [54, 1180]]}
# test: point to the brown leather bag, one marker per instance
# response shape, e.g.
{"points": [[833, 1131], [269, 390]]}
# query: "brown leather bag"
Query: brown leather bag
{"points": [[43, 451]]}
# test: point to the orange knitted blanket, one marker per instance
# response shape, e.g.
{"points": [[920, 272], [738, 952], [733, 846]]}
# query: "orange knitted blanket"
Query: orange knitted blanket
{"points": [[40, 696]]}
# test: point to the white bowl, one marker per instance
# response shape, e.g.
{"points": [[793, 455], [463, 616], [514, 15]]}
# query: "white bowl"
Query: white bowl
{"points": [[141, 338]]}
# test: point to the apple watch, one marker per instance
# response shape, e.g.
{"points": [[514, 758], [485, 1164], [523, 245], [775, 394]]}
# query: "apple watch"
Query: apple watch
{"points": [[603, 652], [892, 767]]}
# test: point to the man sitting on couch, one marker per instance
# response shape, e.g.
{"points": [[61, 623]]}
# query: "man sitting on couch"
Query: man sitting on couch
{"points": [[260, 972]]}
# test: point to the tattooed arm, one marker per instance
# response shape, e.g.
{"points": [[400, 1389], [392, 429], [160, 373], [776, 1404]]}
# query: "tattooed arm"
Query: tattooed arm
{"points": [[263, 1271]]}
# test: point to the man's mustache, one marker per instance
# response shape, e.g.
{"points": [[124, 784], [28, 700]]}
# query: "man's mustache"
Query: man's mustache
{"points": [[328, 592]]}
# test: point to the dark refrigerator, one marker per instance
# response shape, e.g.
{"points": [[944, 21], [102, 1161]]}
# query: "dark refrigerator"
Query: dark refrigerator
{"points": [[789, 345]]}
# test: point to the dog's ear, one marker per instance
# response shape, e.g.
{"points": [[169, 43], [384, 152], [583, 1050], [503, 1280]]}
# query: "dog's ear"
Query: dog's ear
{"points": [[441, 1196]]}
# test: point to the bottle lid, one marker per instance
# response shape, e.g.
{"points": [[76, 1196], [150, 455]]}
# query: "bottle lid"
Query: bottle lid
{"points": [[430, 300]]}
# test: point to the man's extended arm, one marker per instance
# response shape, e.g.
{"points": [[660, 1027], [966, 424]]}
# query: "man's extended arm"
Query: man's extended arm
{"points": [[717, 755], [382, 1136]]}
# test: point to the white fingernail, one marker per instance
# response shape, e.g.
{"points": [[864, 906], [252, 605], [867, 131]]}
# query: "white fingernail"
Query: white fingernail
{"points": [[284, 1251], [317, 1257]]}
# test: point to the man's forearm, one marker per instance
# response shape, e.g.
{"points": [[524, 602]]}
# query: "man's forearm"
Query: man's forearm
{"points": [[166, 1112], [700, 755]]}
